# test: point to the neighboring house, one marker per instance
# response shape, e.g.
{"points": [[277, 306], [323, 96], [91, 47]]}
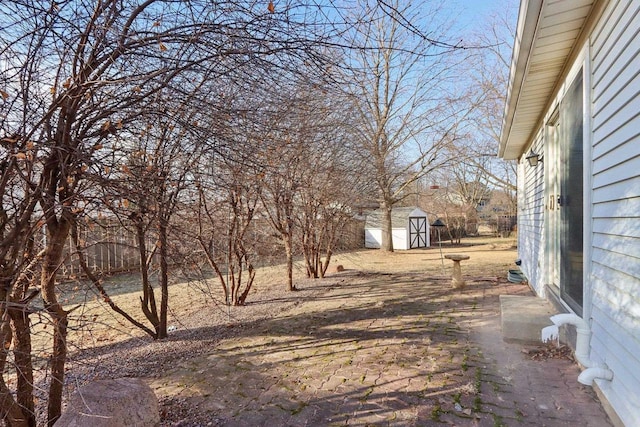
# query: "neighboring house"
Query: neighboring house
{"points": [[410, 229], [574, 105]]}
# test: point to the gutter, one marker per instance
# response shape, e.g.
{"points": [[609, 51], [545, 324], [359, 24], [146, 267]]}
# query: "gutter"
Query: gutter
{"points": [[528, 22]]}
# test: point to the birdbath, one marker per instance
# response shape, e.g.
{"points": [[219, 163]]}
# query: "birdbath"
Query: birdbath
{"points": [[456, 280]]}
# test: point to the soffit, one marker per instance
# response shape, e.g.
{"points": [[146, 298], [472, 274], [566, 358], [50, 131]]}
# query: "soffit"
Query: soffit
{"points": [[546, 36]]}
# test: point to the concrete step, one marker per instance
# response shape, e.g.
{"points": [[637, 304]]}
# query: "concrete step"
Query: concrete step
{"points": [[522, 318]]}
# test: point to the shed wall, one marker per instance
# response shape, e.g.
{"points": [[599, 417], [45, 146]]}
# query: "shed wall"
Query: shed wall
{"points": [[400, 240], [400, 220], [373, 238]]}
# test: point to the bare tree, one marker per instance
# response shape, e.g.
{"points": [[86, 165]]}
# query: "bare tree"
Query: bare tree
{"points": [[20, 254], [75, 74], [402, 88], [281, 186], [477, 175], [226, 208], [303, 142], [143, 190], [487, 82], [332, 179]]}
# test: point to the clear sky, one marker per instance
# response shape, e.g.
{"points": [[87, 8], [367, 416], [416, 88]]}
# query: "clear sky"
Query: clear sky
{"points": [[473, 14]]}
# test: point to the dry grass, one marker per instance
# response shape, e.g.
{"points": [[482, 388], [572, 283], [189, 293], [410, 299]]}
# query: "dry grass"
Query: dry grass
{"points": [[93, 323]]}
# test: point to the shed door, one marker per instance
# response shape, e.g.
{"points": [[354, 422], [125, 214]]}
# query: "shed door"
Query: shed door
{"points": [[417, 232]]}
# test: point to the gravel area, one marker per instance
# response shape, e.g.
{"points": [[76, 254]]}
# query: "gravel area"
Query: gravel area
{"points": [[189, 337]]}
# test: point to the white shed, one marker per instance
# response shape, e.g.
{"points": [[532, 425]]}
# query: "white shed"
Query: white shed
{"points": [[572, 122], [409, 228]]}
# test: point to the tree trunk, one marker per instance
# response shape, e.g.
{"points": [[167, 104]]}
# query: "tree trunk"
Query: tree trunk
{"points": [[148, 301], [387, 227], [164, 277], [245, 293], [57, 233], [10, 410], [24, 366], [288, 248], [316, 263], [214, 265], [309, 252], [58, 360], [325, 265]]}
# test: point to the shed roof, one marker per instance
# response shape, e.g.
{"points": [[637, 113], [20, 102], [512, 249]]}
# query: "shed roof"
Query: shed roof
{"points": [[546, 39], [399, 217]]}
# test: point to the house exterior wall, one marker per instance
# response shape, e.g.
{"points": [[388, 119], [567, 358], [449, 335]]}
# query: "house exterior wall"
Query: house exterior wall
{"points": [[531, 218], [615, 262], [612, 203]]}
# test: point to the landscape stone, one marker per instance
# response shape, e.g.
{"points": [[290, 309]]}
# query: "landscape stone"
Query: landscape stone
{"points": [[112, 403]]}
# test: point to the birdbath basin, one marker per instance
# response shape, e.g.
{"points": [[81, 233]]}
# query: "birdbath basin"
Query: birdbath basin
{"points": [[457, 281]]}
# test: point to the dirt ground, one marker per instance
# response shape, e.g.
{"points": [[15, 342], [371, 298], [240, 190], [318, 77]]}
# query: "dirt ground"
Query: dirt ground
{"points": [[384, 342], [95, 324], [103, 345]]}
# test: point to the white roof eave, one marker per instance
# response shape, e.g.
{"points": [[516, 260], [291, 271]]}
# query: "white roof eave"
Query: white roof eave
{"points": [[527, 23], [531, 54]]}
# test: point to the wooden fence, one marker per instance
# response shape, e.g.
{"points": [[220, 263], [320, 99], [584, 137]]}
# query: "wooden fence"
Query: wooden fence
{"points": [[109, 248]]}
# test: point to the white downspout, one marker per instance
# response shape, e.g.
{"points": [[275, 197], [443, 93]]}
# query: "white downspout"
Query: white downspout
{"points": [[588, 375], [583, 331]]}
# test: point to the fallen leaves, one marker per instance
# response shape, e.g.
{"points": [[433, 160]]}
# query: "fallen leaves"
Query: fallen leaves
{"points": [[549, 352]]}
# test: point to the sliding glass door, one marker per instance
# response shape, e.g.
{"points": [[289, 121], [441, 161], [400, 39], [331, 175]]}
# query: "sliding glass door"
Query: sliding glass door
{"points": [[564, 197]]}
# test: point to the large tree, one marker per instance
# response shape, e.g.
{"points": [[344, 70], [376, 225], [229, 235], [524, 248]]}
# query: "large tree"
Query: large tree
{"points": [[401, 78], [487, 80]]}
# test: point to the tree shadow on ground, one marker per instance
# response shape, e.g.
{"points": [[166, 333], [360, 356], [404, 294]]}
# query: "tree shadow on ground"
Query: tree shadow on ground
{"points": [[368, 350]]}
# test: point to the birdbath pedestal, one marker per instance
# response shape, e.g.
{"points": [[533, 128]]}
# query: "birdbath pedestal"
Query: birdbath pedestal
{"points": [[456, 281]]}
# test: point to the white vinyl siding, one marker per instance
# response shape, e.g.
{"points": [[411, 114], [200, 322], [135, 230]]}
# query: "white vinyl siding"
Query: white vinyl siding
{"points": [[531, 219], [615, 268]]}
